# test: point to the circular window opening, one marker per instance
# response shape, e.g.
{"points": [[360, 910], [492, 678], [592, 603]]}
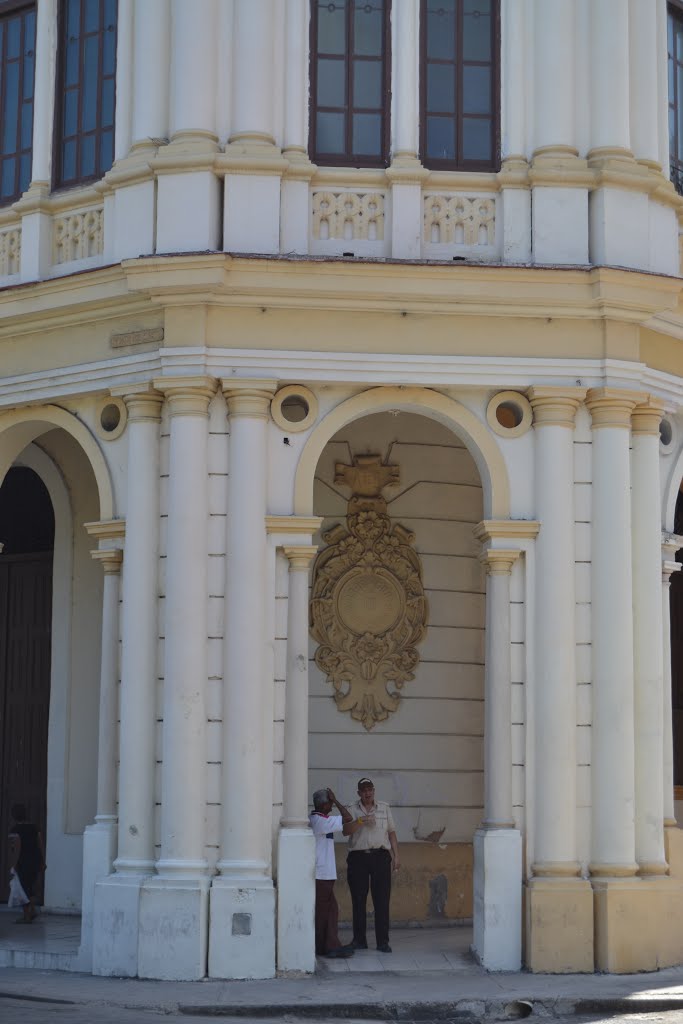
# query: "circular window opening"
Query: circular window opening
{"points": [[666, 433], [509, 415], [295, 408], [110, 417]]}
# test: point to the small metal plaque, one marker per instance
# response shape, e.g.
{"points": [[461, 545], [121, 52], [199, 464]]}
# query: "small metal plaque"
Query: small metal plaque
{"points": [[241, 924]]}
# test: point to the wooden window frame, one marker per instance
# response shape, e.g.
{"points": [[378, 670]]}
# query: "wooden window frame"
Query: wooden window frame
{"points": [[58, 181], [348, 159], [10, 8], [674, 10], [459, 164]]}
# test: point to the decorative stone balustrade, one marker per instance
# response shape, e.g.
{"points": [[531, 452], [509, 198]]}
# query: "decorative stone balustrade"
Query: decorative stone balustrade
{"points": [[460, 225], [347, 220], [10, 251], [77, 235]]}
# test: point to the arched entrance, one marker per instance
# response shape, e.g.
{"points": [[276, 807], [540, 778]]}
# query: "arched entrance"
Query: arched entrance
{"points": [[422, 741], [27, 529]]}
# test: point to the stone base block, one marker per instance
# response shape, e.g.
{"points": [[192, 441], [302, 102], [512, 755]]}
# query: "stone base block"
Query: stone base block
{"points": [[638, 924], [99, 850], [673, 847], [296, 900], [116, 914], [188, 212], [498, 898], [174, 929], [251, 221], [242, 929], [559, 926]]}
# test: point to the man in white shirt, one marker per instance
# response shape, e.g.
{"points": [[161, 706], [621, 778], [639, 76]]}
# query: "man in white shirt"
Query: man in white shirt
{"points": [[324, 825], [373, 853]]}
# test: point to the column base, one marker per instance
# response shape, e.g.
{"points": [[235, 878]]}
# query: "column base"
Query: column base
{"points": [[116, 923], [134, 220], [559, 926], [251, 221], [296, 900], [174, 929], [673, 849], [188, 211], [498, 898], [559, 213], [242, 928], [99, 850], [637, 924]]}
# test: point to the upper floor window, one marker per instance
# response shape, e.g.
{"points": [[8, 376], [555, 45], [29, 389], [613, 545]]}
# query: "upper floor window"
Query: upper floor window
{"points": [[350, 82], [17, 71], [460, 89], [675, 48], [86, 95]]}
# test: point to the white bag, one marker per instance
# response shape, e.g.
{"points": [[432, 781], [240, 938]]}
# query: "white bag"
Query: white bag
{"points": [[17, 896]]}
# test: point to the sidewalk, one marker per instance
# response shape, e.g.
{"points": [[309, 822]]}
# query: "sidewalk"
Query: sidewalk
{"points": [[412, 983]]}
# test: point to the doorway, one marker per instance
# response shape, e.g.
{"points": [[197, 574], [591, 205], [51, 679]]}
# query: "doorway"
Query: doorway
{"points": [[27, 535]]}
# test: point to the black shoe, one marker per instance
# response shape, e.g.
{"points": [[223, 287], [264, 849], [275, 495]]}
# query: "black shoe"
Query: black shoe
{"points": [[358, 945], [341, 953], [386, 948]]}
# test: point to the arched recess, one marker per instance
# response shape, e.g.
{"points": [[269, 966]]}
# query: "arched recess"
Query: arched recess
{"points": [[19, 427], [472, 431]]}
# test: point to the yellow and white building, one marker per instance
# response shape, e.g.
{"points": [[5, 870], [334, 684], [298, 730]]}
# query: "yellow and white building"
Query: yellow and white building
{"points": [[343, 341]]}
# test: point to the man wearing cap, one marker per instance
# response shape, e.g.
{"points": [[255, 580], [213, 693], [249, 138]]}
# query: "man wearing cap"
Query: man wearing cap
{"points": [[373, 852], [324, 825]]}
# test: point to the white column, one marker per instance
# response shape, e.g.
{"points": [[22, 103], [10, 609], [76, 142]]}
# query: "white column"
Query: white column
{"points": [[497, 844], [295, 183], [644, 96], [174, 905], [612, 767], [242, 937], [188, 203], [116, 925], [296, 845], [555, 851], [559, 224], [253, 92], [151, 41], [406, 173], [124, 79], [647, 637], [610, 130], [99, 839], [670, 545], [515, 193], [662, 14], [36, 221]]}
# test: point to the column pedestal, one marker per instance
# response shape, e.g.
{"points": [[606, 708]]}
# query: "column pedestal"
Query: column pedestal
{"points": [[244, 944], [174, 928], [497, 937], [99, 851], [116, 914], [296, 900], [559, 925], [637, 924]]}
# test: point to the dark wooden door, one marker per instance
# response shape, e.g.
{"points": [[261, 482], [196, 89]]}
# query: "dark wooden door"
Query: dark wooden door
{"points": [[25, 620]]}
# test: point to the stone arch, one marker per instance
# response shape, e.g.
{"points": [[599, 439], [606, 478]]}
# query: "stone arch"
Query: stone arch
{"points": [[20, 427], [471, 430]]}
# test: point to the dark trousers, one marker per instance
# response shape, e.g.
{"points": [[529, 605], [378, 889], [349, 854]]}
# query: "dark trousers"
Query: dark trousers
{"points": [[371, 869], [326, 916]]}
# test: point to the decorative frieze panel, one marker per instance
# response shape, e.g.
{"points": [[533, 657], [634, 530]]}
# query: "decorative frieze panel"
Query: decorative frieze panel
{"points": [[459, 225], [349, 220], [368, 607], [10, 251], [78, 235]]}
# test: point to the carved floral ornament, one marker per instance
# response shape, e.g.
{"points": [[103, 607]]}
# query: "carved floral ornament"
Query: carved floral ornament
{"points": [[368, 607]]}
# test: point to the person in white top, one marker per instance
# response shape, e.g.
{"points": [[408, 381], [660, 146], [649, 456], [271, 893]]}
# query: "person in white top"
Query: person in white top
{"points": [[324, 825]]}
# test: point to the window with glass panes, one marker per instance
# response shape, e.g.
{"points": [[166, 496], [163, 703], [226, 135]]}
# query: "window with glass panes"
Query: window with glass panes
{"points": [[675, 48], [17, 72], [86, 93], [350, 82], [459, 84]]}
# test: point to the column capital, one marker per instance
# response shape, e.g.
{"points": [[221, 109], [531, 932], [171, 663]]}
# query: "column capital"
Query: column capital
{"points": [[671, 543], [107, 529], [498, 561], [248, 397], [647, 417], [187, 396], [510, 529], [668, 568], [109, 558], [555, 406], [295, 526], [612, 407], [300, 556], [143, 402]]}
